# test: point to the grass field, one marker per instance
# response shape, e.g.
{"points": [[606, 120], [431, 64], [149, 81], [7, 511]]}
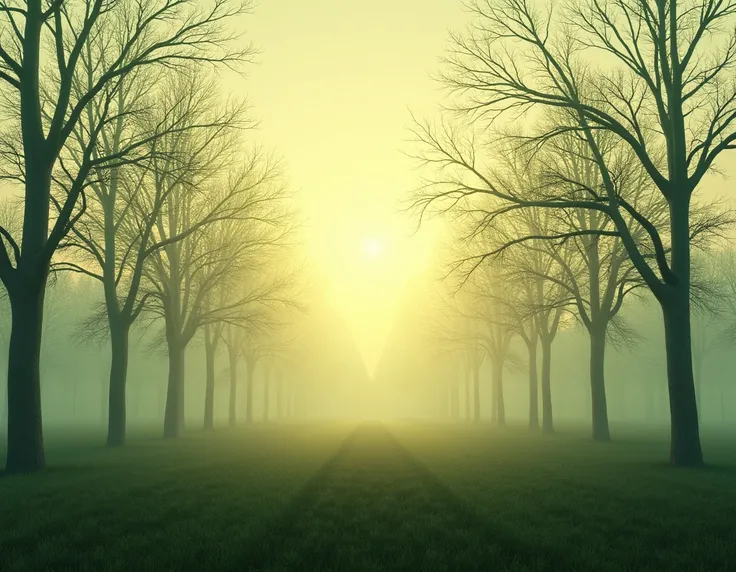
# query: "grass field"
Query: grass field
{"points": [[398, 496]]}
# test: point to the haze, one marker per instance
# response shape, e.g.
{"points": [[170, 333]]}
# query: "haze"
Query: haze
{"points": [[329, 285]]}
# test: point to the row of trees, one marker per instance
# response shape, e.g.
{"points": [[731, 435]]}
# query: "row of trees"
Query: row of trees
{"points": [[579, 138], [132, 169]]}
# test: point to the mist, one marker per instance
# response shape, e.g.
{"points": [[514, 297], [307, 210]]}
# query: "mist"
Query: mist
{"points": [[418, 285]]}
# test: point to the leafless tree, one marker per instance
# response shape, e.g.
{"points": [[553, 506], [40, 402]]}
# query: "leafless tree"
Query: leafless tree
{"points": [[114, 239], [657, 75], [41, 47]]}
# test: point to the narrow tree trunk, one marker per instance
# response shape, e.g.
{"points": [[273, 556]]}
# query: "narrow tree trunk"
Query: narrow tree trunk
{"points": [[116, 416], [598, 385], [210, 347], [547, 423], [685, 449], [232, 356], [533, 386], [476, 393], [173, 422], [25, 451]]}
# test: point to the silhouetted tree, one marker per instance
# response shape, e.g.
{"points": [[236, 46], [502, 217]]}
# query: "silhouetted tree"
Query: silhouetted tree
{"points": [[41, 83], [661, 86]]}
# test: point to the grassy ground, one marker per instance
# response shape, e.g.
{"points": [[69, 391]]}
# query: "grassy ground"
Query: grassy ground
{"points": [[372, 497]]}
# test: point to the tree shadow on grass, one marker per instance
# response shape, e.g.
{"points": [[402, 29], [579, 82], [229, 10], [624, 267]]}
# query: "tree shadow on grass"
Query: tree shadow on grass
{"points": [[373, 506]]}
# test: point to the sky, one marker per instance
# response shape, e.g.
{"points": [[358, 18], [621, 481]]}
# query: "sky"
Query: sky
{"points": [[333, 87]]}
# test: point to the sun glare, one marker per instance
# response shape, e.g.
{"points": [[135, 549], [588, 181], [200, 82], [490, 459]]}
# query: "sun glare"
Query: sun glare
{"points": [[372, 247]]}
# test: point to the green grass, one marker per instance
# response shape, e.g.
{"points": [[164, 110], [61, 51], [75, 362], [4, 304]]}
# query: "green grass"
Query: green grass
{"points": [[377, 497]]}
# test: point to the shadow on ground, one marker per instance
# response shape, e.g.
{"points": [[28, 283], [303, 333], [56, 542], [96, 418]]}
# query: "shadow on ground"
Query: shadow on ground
{"points": [[373, 506]]}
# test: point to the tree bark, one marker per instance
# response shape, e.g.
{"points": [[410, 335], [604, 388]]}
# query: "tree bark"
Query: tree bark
{"points": [[116, 416], [685, 448], [25, 452], [533, 386], [210, 347], [173, 417], [547, 423], [599, 405]]}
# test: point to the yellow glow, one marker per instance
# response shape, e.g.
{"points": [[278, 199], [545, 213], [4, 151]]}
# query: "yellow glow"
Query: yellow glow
{"points": [[333, 89], [373, 247]]}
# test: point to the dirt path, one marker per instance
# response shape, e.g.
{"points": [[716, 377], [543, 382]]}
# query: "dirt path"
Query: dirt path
{"points": [[373, 507]]}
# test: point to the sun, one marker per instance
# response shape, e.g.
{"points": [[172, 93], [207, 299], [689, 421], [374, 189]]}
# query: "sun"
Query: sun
{"points": [[372, 247]]}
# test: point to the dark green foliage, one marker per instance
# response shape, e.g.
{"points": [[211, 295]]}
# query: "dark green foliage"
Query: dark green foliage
{"points": [[394, 497]]}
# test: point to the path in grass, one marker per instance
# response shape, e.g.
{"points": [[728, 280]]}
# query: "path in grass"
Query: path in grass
{"points": [[374, 507]]}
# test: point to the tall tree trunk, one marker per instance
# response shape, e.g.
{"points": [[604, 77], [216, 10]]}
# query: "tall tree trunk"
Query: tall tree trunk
{"points": [[210, 347], [685, 449], [599, 405], [476, 393], [25, 451], [249, 394], [173, 422], [547, 423], [116, 416], [233, 405], [533, 386]]}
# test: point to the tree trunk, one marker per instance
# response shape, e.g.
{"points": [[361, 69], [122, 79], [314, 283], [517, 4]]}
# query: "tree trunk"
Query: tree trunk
{"points": [[116, 416], [547, 424], [598, 384], [685, 449], [210, 347], [173, 421], [25, 451], [533, 386], [249, 394], [232, 356]]}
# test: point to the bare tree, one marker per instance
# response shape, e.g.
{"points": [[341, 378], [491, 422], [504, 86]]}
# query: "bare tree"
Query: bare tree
{"points": [[114, 239], [41, 46], [657, 76]]}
